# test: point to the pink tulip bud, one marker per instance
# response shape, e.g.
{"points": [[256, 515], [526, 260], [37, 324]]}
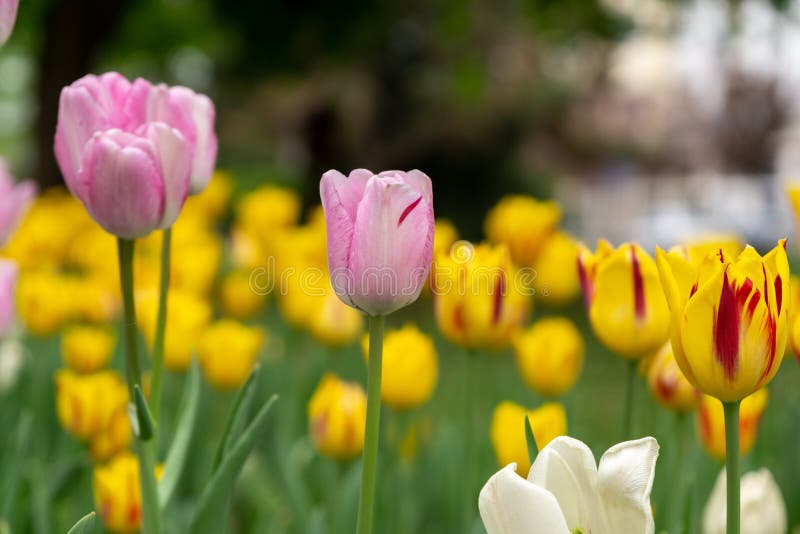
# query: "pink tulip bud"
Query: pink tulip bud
{"points": [[8, 15], [14, 201], [134, 183], [380, 236], [8, 284], [190, 113]]}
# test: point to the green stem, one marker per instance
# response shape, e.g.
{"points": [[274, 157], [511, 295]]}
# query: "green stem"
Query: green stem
{"points": [[161, 325], [627, 423], [366, 501], [469, 502], [151, 520], [732, 464]]}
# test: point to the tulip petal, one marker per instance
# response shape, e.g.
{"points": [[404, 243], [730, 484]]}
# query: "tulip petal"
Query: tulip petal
{"points": [[8, 15], [175, 162], [416, 179], [509, 504], [625, 480], [349, 189]]}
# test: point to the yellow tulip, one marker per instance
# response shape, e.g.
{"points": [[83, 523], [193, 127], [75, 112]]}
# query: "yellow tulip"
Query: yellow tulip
{"points": [[117, 493], [268, 207], [187, 318], [227, 351], [696, 250], [211, 204], [86, 404], [556, 281], [668, 384], [523, 223], [337, 414], [624, 298], [729, 318], [116, 437], [445, 234], [410, 367], [711, 423], [508, 431], [794, 316], [87, 348], [94, 298], [480, 301], [43, 302], [334, 323], [238, 297], [550, 355]]}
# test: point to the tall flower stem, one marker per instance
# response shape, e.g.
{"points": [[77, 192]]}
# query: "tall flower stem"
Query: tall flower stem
{"points": [[468, 429], [161, 324], [732, 464], [630, 387], [366, 501], [151, 515]]}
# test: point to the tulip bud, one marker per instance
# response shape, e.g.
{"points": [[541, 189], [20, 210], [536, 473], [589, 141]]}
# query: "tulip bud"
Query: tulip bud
{"points": [[87, 349], [624, 299], [556, 281], [227, 351], [480, 302], [380, 237], [550, 356], [8, 15], [523, 224], [85, 404], [8, 285], [14, 198], [337, 414], [711, 423], [729, 318], [668, 384], [410, 367], [548, 421], [763, 510]]}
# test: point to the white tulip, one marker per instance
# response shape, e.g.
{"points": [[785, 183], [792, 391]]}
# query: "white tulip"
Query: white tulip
{"points": [[566, 492], [763, 510]]}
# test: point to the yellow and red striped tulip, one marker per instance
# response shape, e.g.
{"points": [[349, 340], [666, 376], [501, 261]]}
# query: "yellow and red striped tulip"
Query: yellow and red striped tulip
{"points": [[624, 298], [794, 316], [729, 318], [711, 423], [669, 385]]}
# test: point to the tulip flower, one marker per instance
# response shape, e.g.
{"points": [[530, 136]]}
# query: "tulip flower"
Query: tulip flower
{"points": [[697, 250], [8, 285], [117, 493], [550, 355], [332, 322], [336, 416], [410, 367], [227, 352], [762, 505], [624, 299], [237, 297], [14, 198], [668, 384], [480, 301], [445, 234], [8, 15], [794, 316], [523, 224], [42, 301], [556, 281], [113, 439], [711, 423], [566, 492], [85, 404], [507, 431], [87, 348]]}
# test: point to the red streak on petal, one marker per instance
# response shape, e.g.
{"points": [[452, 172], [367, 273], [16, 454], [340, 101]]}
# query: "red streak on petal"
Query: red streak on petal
{"points": [[638, 286], [586, 285], [499, 290], [726, 329], [693, 291], [705, 424], [766, 287], [458, 318], [743, 291], [778, 294], [666, 386], [408, 210], [753, 303], [771, 328]]}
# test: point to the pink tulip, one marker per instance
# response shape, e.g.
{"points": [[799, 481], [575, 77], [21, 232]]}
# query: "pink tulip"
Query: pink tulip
{"points": [[380, 236], [190, 113], [8, 15], [8, 284], [134, 183], [14, 201]]}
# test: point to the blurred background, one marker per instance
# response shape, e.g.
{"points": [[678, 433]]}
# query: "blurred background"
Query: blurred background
{"points": [[635, 114]]}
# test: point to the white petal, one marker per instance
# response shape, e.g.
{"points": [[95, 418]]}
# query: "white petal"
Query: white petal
{"points": [[566, 468], [763, 510], [509, 504], [625, 479]]}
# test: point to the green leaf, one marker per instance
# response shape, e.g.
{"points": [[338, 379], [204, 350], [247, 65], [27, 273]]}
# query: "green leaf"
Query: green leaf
{"points": [[12, 471], [179, 450], [85, 525], [530, 440], [209, 516], [238, 418]]}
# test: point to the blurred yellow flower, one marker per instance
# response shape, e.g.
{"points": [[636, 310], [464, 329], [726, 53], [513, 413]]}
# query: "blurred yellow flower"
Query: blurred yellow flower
{"points": [[623, 296], [556, 278], [410, 367], [334, 323], [227, 351], [479, 300], [523, 223], [794, 316], [445, 234], [668, 384], [43, 300], [113, 438], [187, 318], [711, 423], [549, 355], [212, 203], [117, 493], [268, 207], [93, 298], [86, 404], [337, 414], [507, 433], [238, 297], [87, 348]]}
